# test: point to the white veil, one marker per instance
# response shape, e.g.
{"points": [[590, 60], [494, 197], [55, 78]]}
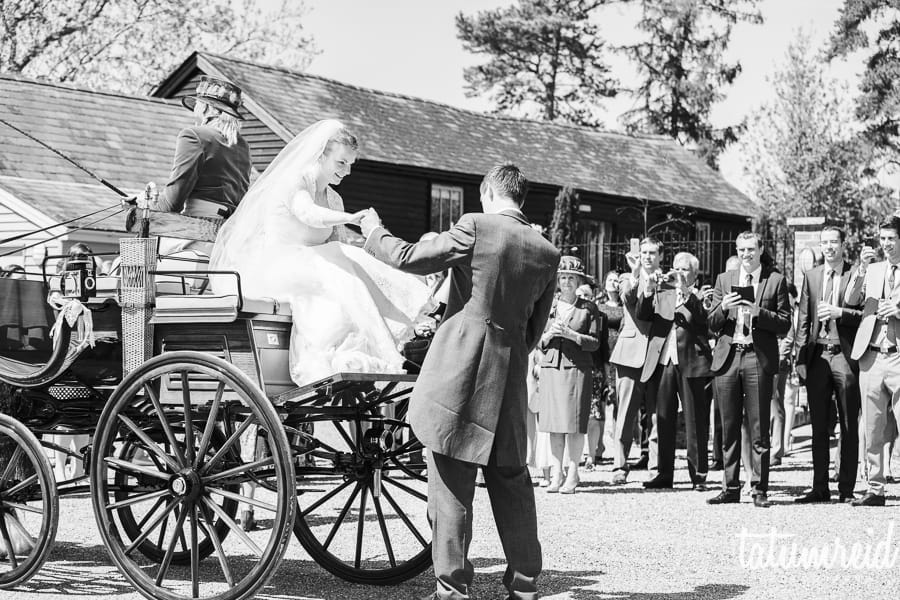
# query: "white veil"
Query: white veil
{"points": [[278, 183]]}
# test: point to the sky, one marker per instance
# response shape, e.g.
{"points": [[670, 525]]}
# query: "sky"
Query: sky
{"points": [[410, 47]]}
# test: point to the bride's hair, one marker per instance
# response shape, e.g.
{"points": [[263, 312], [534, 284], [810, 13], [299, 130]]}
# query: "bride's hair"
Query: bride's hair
{"points": [[344, 137], [227, 125]]}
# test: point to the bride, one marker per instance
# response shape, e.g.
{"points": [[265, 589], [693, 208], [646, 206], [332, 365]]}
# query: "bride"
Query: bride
{"points": [[288, 242]]}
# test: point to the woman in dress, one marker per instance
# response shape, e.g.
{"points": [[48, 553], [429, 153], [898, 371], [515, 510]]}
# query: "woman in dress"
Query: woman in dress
{"points": [[610, 304], [287, 242], [571, 336]]}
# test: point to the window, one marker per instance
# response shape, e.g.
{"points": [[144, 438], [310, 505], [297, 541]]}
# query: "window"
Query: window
{"points": [[446, 206], [704, 246]]}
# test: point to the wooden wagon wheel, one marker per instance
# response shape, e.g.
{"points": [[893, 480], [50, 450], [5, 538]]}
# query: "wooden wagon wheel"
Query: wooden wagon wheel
{"points": [[134, 517], [362, 496], [29, 505], [198, 392]]}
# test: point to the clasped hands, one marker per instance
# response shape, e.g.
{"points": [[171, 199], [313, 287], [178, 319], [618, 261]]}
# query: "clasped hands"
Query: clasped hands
{"points": [[367, 219], [558, 329]]}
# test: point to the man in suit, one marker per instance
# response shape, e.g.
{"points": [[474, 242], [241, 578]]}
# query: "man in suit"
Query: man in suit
{"points": [[824, 339], [629, 355], [745, 360], [677, 365], [876, 287], [469, 404]]}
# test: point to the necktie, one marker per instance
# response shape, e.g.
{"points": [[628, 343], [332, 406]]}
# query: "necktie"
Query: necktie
{"points": [[829, 292], [890, 281], [745, 330]]}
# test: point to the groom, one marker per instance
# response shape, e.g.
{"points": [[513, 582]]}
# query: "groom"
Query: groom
{"points": [[469, 404]]}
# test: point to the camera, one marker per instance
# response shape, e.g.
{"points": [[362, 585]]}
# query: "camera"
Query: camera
{"points": [[78, 280]]}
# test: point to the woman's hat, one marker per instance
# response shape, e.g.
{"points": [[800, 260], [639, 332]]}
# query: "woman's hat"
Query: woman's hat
{"points": [[218, 93], [571, 265]]}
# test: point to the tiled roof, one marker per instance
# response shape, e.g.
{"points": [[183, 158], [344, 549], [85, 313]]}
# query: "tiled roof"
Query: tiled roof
{"points": [[409, 131], [66, 200], [127, 140]]}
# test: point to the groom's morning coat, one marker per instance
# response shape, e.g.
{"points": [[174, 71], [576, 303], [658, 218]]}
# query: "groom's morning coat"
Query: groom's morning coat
{"points": [[470, 400]]}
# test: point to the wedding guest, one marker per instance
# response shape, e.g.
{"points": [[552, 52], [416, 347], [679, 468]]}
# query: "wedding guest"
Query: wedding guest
{"points": [[571, 336], [777, 421], [751, 308], [874, 286], [629, 355], [597, 419], [677, 366], [825, 332], [610, 304]]}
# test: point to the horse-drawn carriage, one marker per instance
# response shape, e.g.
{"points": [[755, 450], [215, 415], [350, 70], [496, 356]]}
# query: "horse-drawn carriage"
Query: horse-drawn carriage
{"points": [[173, 387]]}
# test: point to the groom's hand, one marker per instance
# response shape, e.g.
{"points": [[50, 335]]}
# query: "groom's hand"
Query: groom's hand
{"points": [[370, 222]]}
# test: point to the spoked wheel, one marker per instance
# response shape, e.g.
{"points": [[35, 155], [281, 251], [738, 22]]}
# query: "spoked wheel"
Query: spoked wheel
{"points": [[134, 517], [361, 494], [175, 492], [29, 505]]}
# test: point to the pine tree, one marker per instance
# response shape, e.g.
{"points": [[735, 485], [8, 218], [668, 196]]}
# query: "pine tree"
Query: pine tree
{"points": [[564, 225], [682, 69], [545, 59]]}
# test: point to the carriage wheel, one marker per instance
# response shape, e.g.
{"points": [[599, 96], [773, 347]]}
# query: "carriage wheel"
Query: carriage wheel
{"points": [[134, 517], [29, 505], [361, 499], [178, 492]]}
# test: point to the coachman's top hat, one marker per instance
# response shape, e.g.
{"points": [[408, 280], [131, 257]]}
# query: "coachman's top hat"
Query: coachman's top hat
{"points": [[219, 93]]}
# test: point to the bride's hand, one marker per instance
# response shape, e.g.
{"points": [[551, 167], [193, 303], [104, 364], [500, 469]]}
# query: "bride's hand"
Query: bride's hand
{"points": [[357, 217]]}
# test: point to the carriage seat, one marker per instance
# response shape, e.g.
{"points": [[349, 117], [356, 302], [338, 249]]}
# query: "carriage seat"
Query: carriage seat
{"points": [[210, 308]]}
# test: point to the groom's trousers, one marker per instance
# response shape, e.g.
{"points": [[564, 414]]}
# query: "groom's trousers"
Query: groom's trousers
{"points": [[451, 489]]}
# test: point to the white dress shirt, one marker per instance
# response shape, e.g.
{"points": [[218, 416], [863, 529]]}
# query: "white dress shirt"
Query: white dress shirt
{"points": [[743, 312]]}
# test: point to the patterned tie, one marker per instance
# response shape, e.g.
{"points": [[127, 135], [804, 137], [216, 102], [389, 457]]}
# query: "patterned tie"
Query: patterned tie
{"points": [[745, 330], [827, 297], [890, 281]]}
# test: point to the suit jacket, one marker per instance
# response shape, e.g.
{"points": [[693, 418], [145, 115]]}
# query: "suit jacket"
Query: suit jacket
{"points": [[588, 322], [774, 319], [631, 346], [205, 168], [866, 291], [808, 324], [470, 400], [691, 333]]}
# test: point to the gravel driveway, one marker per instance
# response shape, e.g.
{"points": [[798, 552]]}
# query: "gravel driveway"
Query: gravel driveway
{"points": [[602, 542]]}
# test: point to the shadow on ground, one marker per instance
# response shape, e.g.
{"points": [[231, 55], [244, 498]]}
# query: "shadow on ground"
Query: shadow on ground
{"points": [[86, 571]]}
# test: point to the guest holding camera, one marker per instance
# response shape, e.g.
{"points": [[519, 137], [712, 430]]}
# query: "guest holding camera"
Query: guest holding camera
{"points": [[876, 287], [678, 366], [571, 336]]}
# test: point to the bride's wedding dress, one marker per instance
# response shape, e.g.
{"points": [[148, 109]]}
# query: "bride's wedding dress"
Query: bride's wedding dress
{"points": [[350, 311]]}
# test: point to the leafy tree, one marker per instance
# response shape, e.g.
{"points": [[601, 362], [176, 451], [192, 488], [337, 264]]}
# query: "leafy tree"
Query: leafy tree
{"points": [[545, 59], [564, 225], [801, 154], [129, 45], [682, 69], [879, 104]]}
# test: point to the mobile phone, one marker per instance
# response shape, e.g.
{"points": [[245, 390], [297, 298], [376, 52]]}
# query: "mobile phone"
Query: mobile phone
{"points": [[635, 244]]}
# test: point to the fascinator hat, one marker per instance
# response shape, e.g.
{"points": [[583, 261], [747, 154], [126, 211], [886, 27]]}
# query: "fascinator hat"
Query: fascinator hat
{"points": [[572, 265], [218, 93]]}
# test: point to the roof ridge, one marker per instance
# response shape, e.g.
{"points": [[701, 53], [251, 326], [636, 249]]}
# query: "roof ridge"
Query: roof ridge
{"points": [[86, 90], [487, 115]]}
